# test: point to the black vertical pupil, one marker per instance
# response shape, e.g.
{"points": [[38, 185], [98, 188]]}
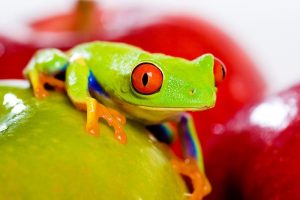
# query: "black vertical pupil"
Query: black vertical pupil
{"points": [[145, 79], [223, 72]]}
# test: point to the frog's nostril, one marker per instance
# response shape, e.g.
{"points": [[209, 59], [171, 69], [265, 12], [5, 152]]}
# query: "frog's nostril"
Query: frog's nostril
{"points": [[193, 91]]}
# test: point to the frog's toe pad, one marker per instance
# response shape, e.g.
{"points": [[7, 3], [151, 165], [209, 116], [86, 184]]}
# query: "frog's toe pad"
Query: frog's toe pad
{"points": [[40, 93], [121, 118], [93, 128]]}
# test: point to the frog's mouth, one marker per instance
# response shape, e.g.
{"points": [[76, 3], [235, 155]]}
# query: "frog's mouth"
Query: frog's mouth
{"points": [[154, 115], [130, 105], [175, 109], [149, 114]]}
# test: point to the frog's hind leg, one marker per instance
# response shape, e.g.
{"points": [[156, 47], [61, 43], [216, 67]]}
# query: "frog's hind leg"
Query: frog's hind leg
{"points": [[193, 166], [77, 86], [43, 67], [189, 139]]}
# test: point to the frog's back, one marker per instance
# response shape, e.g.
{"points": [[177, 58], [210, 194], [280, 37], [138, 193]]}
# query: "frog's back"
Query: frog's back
{"points": [[108, 60], [106, 54], [92, 49]]}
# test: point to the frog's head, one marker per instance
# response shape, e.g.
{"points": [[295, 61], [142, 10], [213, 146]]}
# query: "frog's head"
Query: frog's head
{"points": [[162, 85]]}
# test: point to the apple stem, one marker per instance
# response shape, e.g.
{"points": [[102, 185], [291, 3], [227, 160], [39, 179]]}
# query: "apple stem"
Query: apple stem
{"points": [[87, 18]]}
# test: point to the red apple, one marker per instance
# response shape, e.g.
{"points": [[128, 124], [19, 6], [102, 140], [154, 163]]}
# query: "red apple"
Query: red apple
{"points": [[256, 156], [13, 57]]}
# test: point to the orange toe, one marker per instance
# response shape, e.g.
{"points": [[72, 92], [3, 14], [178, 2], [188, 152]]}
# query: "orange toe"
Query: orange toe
{"points": [[121, 118], [39, 84], [95, 110], [40, 92], [93, 128], [57, 84], [120, 134], [190, 169]]}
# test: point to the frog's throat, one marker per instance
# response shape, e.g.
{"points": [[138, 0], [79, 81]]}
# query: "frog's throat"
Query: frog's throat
{"points": [[170, 108]]}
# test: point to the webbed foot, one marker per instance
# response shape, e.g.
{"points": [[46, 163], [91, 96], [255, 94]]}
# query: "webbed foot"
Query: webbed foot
{"points": [[39, 84], [199, 181], [95, 110]]}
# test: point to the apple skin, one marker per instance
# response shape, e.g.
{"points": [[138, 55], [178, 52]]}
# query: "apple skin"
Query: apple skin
{"points": [[256, 155], [46, 153]]}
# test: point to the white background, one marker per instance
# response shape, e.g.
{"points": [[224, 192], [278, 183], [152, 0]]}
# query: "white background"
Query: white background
{"points": [[269, 30]]}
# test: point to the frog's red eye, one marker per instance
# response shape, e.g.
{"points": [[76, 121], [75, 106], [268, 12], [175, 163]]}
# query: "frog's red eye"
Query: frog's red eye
{"points": [[219, 71], [146, 78]]}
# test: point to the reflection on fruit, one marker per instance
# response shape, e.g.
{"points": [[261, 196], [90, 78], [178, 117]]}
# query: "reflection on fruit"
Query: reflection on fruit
{"points": [[256, 156]]}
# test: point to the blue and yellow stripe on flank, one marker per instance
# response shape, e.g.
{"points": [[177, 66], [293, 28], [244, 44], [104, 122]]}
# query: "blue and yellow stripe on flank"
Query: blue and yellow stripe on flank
{"points": [[189, 139], [94, 85]]}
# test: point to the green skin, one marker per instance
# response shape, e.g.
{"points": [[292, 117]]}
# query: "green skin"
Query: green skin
{"points": [[187, 85]]}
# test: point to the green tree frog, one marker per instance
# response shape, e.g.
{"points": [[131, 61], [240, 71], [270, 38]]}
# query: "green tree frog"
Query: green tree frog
{"points": [[115, 81]]}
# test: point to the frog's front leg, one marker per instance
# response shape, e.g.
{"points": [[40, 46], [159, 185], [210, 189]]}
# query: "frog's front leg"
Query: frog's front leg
{"points": [[77, 86], [193, 166], [42, 68]]}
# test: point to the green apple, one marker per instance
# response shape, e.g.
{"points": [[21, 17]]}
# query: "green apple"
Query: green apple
{"points": [[47, 154]]}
